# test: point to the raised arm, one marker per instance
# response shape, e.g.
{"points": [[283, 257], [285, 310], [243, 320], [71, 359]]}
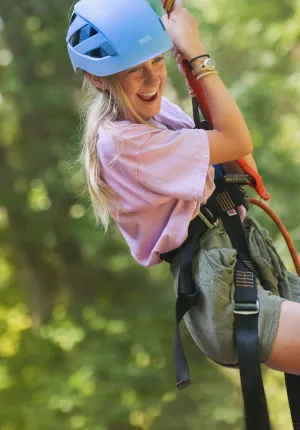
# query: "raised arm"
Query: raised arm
{"points": [[230, 138]]}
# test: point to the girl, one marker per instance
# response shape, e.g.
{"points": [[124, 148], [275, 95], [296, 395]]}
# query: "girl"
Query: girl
{"points": [[150, 170]]}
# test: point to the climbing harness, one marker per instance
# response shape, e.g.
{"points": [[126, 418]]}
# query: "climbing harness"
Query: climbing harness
{"points": [[223, 205]]}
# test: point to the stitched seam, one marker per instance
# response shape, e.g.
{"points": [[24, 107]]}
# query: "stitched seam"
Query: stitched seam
{"points": [[202, 178]]}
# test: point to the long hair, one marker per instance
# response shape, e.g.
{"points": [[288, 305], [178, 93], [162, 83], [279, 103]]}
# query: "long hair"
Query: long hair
{"points": [[101, 109]]}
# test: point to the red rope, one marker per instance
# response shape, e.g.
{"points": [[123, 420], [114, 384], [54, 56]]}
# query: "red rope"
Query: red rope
{"points": [[195, 89], [283, 231]]}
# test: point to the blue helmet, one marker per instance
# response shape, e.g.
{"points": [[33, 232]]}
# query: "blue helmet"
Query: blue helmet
{"points": [[108, 36]]}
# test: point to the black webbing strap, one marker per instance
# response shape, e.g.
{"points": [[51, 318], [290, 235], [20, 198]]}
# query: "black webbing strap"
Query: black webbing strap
{"points": [[200, 124], [293, 390], [292, 381], [196, 113], [246, 327], [246, 311], [187, 294], [223, 204], [184, 303]]}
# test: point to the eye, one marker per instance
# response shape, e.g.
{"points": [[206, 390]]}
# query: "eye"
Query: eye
{"points": [[158, 59], [134, 70]]}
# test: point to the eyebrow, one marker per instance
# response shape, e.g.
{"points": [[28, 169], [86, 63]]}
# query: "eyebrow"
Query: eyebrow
{"points": [[139, 65]]}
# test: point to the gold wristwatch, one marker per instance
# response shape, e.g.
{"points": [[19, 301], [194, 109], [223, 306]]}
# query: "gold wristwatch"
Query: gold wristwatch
{"points": [[208, 65]]}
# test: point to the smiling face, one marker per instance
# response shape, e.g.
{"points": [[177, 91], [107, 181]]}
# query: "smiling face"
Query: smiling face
{"points": [[141, 85], [144, 84]]}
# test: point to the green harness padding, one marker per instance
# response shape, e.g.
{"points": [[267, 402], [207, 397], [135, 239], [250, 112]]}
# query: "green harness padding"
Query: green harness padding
{"points": [[211, 321]]}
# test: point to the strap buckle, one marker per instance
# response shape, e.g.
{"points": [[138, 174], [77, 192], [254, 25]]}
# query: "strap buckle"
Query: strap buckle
{"points": [[246, 308], [207, 217], [238, 179]]}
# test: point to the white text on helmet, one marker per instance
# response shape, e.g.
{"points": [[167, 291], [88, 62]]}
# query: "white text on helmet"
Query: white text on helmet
{"points": [[145, 40]]}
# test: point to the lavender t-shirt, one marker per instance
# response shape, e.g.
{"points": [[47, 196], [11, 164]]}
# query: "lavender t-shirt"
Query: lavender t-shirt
{"points": [[161, 176]]}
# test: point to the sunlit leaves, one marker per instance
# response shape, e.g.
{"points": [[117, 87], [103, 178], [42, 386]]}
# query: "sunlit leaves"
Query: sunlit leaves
{"points": [[83, 381], [38, 199], [3, 218], [6, 272], [65, 334], [15, 320], [5, 377], [77, 211], [33, 24], [94, 349], [6, 57]]}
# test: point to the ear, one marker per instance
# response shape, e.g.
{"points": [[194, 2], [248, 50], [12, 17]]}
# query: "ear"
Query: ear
{"points": [[100, 82]]}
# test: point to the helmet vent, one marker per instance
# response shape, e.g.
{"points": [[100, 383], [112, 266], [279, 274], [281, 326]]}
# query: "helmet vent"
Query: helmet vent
{"points": [[98, 53], [82, 34], [73, 18]]}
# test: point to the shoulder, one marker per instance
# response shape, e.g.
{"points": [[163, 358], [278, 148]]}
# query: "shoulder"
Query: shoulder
{"points": [[173, 115], [137, 135], [125, 135]]}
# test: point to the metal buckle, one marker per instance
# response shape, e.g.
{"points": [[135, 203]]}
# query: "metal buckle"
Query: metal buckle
{"points": [[246, 308], [208, 219], [238, 179]]}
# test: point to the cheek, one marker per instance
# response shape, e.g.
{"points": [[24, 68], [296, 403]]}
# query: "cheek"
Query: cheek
{"points": [[163, 80], [131, 88], [127, 83], [127, 86], [163, 76]]}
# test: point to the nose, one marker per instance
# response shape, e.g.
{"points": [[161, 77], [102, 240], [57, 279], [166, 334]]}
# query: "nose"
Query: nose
{"points": [[150, 77]]}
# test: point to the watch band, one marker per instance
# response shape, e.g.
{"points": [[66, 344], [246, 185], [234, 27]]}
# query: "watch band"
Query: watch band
{"points": [[199, 56], [201, 75], [202, 68]]}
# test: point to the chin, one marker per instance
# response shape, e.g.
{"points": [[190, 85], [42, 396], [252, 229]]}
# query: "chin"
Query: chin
{"points": [[146, 112], [152, 111]]}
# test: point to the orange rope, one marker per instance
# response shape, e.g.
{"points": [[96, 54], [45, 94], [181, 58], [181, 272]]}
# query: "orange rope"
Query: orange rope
{"points": [[283, 231]]}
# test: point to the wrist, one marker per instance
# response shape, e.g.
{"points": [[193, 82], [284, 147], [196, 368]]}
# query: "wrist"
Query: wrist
{"points": [[195, 51], [197, 62]]}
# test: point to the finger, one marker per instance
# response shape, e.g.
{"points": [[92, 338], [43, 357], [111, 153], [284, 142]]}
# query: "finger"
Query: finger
{"points": [[178, 4], [177, 55], [179, 59], [176, 51]]}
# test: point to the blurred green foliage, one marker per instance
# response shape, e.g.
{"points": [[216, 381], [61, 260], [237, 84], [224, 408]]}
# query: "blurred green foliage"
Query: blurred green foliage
{"points": [[86, 334]]}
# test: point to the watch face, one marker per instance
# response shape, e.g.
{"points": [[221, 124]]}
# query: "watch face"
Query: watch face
{"points": [[210, 62]]}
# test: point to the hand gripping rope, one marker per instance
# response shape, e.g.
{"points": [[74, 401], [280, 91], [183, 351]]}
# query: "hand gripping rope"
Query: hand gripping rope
{"points": [[256, 181]]}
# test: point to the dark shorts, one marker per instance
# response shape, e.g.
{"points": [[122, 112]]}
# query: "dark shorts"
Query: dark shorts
{"points": [[211, 322]]}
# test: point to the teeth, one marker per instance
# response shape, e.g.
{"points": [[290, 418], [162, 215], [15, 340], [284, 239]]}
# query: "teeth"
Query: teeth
{"points": [[148, 94]]}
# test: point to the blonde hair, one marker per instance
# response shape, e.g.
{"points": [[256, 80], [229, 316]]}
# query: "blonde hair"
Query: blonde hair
{"points": [[102, 110]]}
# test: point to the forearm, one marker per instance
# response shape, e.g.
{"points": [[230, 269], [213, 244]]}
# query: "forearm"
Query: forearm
{"points": [[230, 138], [226, 116]]}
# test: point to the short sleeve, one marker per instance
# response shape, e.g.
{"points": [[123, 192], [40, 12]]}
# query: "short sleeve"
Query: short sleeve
{"points": [[175, 163]]}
